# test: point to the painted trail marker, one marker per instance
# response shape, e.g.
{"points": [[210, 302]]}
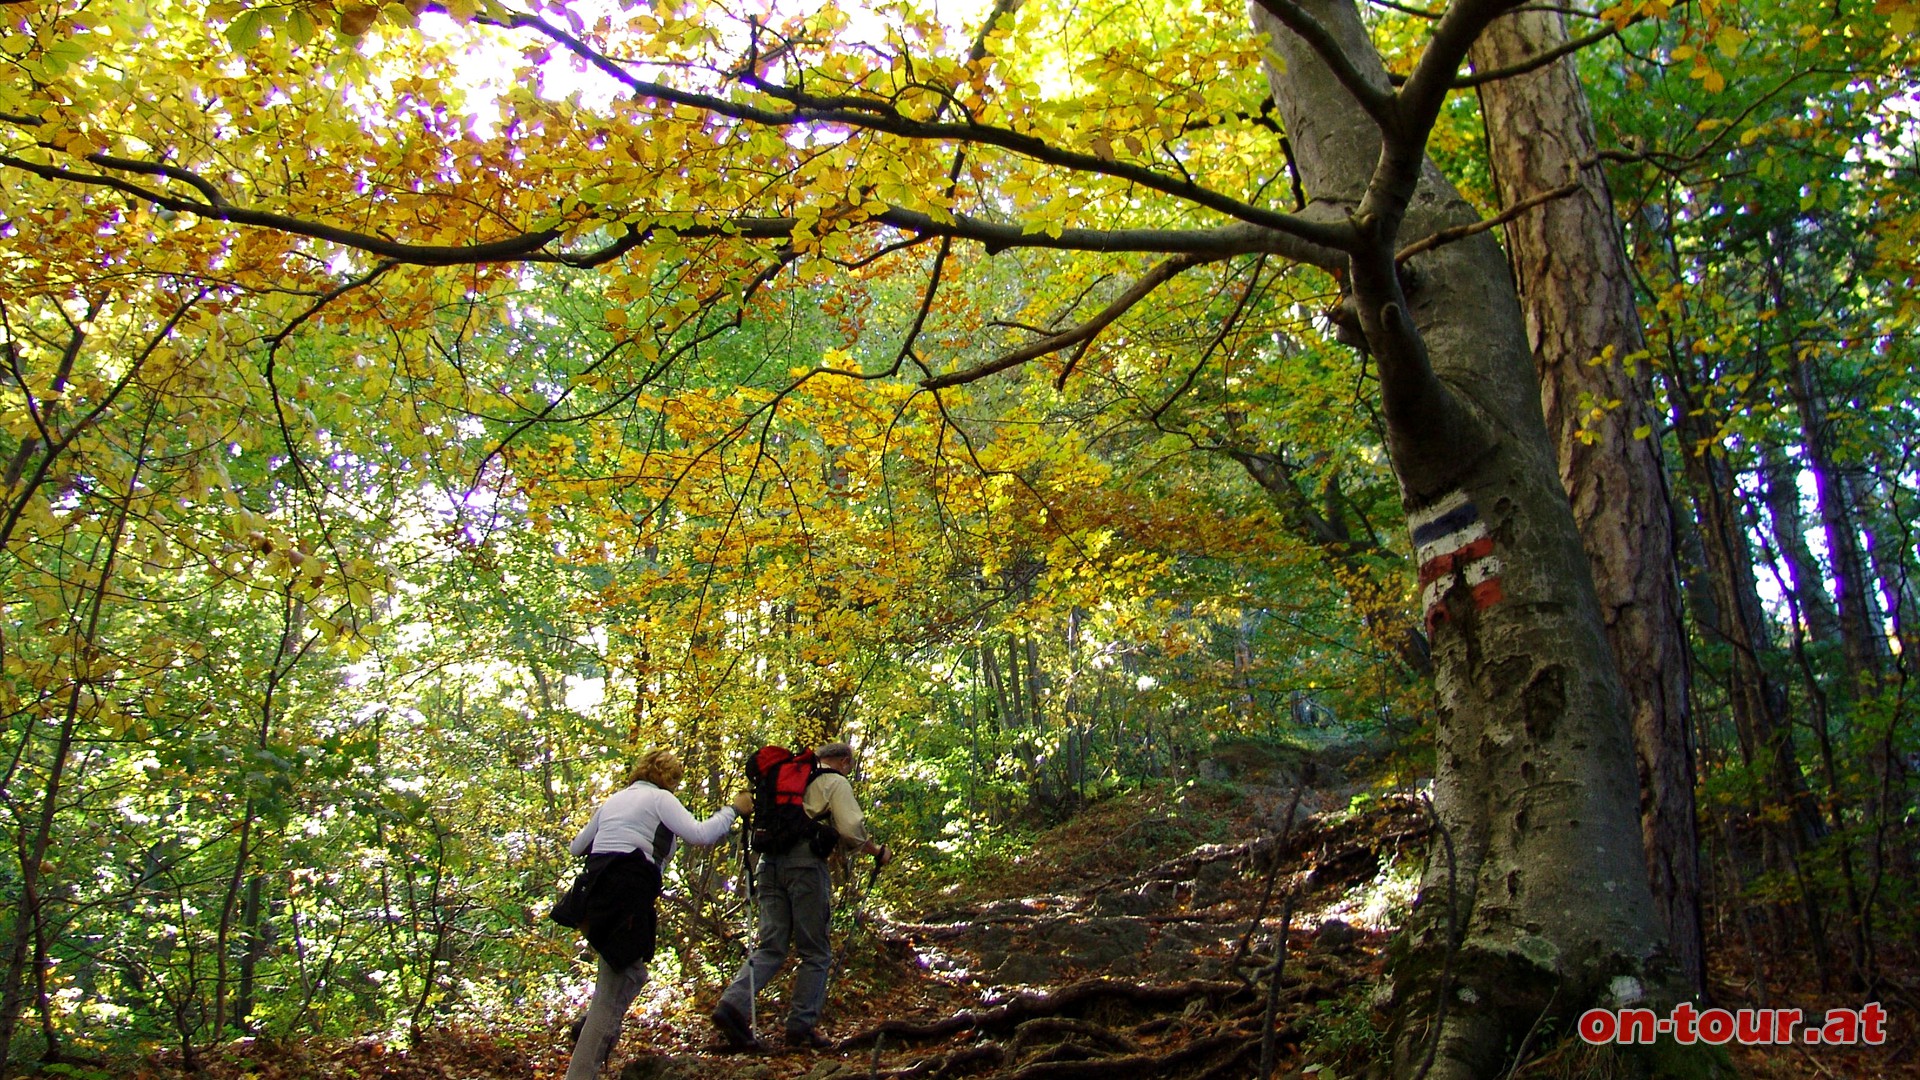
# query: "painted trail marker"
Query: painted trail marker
{"points": [[1452, 545]]}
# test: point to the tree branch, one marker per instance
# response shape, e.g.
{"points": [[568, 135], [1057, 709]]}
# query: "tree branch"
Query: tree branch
{"points": [[1461, 232], [1085, 332], [1434, 74], [1216, 243], [1535, 63], [1376, 100], [870, 114], [531, 247]]}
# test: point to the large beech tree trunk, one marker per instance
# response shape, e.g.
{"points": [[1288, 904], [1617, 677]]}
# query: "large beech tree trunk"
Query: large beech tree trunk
{"points": [[1583, 325], [1538, 903]]}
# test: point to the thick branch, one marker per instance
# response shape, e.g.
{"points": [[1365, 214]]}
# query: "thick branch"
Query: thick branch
{"points": [[871, 114], [1217, 243], [531, 247], [1434, 75], [1404, 148], [1376, 100]]}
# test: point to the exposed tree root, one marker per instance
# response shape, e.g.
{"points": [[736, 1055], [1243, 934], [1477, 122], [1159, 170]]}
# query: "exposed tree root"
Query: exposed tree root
{"points": [[1021, 1007], [959, 1062], [1203, 1029], [1218, 1055], [1045, 1026], [1236, 1043], [1334, 843]]}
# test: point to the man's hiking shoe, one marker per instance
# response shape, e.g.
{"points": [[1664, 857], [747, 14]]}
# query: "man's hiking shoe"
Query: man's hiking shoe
{"points": [[733, 1027], [810, 1039]]}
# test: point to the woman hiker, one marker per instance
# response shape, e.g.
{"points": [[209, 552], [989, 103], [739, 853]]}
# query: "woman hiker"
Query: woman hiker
{"points": [[627, 841]]}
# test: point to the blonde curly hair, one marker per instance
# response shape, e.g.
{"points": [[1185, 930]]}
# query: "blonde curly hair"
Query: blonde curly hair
{"points": [[660, 767]]}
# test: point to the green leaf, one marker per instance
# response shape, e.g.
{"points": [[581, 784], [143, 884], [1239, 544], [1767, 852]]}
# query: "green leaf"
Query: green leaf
{"points": [[243, 33]]}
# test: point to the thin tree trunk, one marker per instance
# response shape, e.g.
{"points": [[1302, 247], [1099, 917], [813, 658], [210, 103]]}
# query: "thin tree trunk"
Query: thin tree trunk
{"points": [[1892, 555], [1035, 681], [1781, 478], [1758, 703], [1017, 713], [253, 936], [990, 667], [1860, 643], [29, 913]]}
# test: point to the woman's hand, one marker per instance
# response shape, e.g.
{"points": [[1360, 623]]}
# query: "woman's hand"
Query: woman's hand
{"points": [[743, 803]]}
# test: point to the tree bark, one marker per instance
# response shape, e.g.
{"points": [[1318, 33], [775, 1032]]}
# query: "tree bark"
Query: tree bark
{"points": [[1583, 324], [1539, 904]]}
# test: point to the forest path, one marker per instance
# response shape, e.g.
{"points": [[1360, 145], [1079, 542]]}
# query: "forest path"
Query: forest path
{"points": [[1097, 956]]}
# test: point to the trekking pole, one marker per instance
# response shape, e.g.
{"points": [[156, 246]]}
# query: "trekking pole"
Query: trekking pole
{"points": [[753, 924]]}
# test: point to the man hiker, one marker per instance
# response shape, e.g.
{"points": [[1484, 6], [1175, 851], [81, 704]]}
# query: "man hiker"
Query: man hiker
{"points": [[796, 905]]}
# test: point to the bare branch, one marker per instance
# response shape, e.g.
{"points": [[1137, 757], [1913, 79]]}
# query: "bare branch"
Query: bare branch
{"points": [[1206, 355], [1535, 63], [1086, 331], [1216, 243], [926, 305], [56, 447], [1406, 9], [1461, 232]]}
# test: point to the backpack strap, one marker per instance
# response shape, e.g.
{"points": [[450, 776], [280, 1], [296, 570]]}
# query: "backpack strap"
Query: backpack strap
{"points": [[825, 836]]}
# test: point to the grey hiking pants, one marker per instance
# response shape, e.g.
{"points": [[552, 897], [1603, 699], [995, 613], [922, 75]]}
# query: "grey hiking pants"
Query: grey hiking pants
{"points": [[796, 905], [613, 991]]}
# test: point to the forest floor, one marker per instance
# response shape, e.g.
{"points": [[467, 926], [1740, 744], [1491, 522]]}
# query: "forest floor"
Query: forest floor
{"points": [[1136, 940]]}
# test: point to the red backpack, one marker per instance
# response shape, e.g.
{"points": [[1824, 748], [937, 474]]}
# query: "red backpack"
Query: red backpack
{"points": [[780, 820]]}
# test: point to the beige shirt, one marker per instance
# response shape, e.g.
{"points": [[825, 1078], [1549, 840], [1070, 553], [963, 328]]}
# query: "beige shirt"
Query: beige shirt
{"points": [[830, 796]]}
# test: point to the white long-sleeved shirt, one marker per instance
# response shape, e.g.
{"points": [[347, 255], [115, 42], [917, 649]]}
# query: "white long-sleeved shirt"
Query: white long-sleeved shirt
{"points": [[629, 818]]}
